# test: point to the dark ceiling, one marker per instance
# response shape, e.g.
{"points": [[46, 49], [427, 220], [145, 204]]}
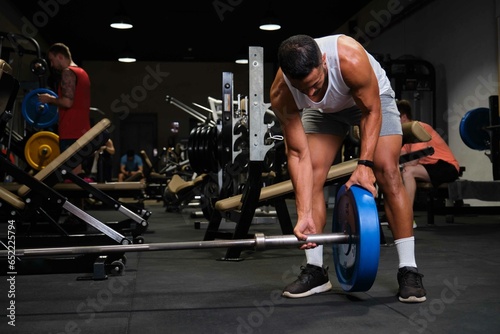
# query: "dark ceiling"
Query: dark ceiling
{"points": [[194, 30]]}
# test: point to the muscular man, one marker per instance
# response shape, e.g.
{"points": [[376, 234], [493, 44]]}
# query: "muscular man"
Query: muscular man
{"points": [[322, 87], [73, 101]]}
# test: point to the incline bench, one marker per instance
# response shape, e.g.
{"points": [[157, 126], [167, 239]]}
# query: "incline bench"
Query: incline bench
{"points": [[285, 187], [180, 192], [74, 155]]}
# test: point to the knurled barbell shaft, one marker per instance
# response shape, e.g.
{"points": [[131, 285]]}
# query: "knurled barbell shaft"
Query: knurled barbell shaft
{"points": [[280, 241], [260, 242]]}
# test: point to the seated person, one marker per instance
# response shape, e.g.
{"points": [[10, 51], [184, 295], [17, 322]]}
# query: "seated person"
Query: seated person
{"points": [[438, 168], [102, 167], [131, 167]]}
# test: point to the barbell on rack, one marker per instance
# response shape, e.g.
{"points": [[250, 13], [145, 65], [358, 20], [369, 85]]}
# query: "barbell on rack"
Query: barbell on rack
{"points": [[355, 237]]}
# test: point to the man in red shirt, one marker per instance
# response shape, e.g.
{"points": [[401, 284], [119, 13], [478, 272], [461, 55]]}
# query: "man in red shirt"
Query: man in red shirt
{"points": [[73, 101]]}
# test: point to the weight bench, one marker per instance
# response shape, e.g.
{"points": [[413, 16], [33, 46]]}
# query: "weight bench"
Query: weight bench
{"points": [[11, 199], [114, 189], [156, 182], [285, 187], [180, 192], [436, 198], [455, 192], [108, 193]]}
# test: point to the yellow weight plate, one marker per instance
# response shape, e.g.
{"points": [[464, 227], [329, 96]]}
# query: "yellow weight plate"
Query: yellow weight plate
{"points": [[41, 148]]}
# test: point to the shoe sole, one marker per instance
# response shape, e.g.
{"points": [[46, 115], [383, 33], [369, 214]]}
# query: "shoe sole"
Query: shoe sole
{"points": [[412, 299], [319, 289]]}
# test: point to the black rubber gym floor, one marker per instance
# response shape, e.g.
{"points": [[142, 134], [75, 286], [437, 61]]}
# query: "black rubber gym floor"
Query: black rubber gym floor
{"points": [[192, 291]]}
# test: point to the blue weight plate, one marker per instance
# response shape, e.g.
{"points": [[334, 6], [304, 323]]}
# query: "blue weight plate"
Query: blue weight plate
{"points": [[356, 262], [39, 115], [472, 129]]}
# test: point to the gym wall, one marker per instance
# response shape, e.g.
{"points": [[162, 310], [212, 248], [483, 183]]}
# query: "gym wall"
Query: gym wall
{"points": [[460, 39]]}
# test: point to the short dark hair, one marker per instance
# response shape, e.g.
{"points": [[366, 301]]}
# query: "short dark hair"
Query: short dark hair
{"points": [[60, 48], [404, 108], [298, 55], [130, 153]]}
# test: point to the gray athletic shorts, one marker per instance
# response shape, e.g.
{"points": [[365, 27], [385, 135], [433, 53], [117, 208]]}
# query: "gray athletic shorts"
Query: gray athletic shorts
{"points": [[338, 123]]}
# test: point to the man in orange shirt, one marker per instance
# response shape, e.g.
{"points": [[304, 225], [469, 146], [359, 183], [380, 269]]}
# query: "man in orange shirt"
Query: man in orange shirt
{"points": [[438, 168]]}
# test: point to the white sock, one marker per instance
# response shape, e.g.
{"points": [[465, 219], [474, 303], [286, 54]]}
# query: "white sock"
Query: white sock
{"points": [[314, 256], [406, 252]]}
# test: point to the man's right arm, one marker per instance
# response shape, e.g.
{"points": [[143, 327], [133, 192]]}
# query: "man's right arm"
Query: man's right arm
{"points": [[297, 150], [68, 87]]}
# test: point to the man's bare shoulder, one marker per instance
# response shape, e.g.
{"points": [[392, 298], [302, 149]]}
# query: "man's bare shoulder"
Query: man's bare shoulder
{"points": [[279, 86], [348, 48], [67, 73]]}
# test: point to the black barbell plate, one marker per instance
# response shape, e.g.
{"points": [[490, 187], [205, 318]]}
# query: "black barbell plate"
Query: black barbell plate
{"points": [[193, 155], [39, 115], [191, 147], [206, 148], [39, 66], [473, 129], [212, 147], [198, 152], [356, 262]]}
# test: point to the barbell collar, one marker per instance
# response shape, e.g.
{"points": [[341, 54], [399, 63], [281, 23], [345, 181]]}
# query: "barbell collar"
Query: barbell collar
{"points": [[259, 242]]}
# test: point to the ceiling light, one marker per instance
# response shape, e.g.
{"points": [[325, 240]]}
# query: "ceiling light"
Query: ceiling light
{"points": [[242, 61], [121, 20], [121, 23], [127, 57], [270, 24]]}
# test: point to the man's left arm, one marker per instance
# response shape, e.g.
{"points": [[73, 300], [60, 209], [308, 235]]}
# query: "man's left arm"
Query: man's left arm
{"points": [[139, 164], [358, 74]]}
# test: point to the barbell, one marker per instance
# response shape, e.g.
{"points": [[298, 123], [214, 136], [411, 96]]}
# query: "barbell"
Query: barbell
{"points": [[39, 115], [355, 235]]}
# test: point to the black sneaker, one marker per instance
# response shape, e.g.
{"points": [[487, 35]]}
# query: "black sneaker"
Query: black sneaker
{"points": [[411, 289], [312, 279]]}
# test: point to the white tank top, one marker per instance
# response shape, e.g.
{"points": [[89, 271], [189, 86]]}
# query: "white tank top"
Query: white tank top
{"points": [[337, 96]]}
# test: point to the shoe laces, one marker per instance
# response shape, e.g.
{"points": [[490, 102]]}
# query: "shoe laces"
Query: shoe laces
{"points": [[412, 278], [308, 272]]}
